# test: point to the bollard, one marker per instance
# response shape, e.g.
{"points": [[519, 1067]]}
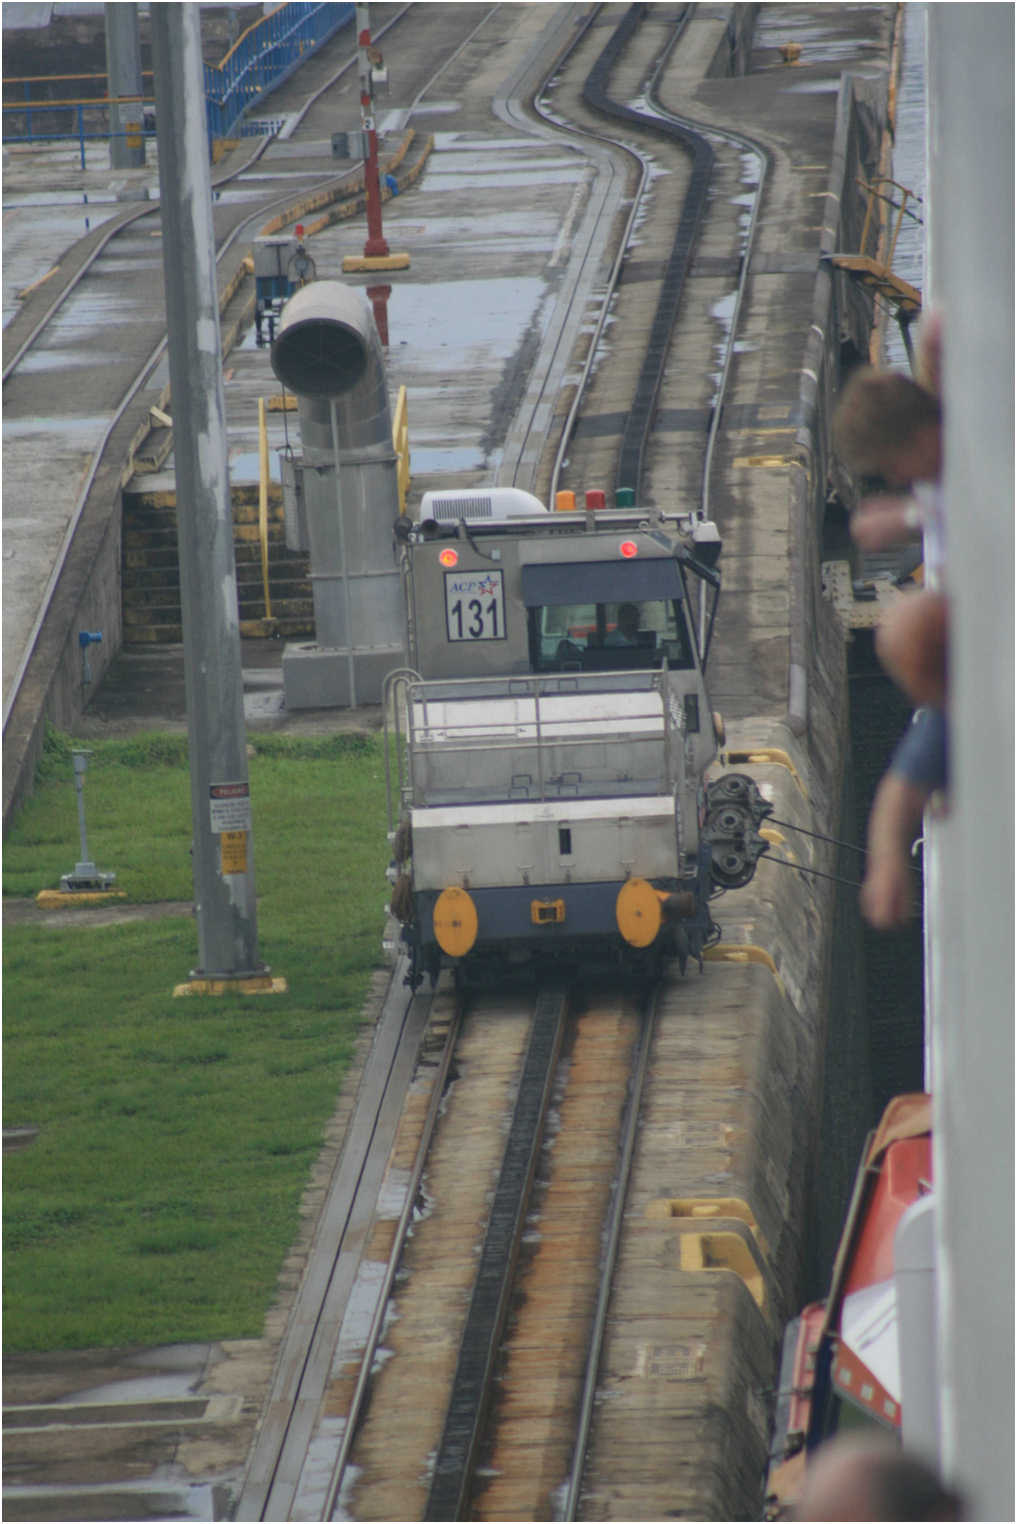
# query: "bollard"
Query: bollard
{"points": [[85, 875]]}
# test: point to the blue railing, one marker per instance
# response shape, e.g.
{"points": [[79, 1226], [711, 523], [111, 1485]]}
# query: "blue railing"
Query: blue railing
{"points": [[262, 58]]}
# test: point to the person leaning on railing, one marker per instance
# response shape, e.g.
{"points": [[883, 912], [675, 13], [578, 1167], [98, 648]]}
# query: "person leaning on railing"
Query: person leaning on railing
{"points": [[888, 425]]}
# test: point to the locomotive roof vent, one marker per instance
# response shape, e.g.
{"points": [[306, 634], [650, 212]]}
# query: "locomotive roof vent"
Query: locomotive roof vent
{"points": [[479, 504]]}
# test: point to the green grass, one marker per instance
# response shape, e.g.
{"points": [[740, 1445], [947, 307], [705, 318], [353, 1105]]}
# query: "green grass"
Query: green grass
{"points": [[176, 1136]]}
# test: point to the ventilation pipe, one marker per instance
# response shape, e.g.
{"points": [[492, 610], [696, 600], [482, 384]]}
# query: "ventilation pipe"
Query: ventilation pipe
{"points": [[327, 352]]}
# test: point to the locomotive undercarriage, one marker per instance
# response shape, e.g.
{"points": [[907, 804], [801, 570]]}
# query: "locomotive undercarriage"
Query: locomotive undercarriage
{"points": [[525, 928]]}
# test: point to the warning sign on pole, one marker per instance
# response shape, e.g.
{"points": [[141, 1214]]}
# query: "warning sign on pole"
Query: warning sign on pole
{"points": [[233, 847], [230, 806]]}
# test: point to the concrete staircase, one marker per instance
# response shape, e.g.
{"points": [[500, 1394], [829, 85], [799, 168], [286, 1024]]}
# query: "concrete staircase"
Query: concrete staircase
{"points": [[151, 571]]}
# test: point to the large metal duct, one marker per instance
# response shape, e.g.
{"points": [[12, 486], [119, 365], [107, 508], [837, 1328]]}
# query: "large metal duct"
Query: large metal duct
{"points": [[327, 352]]}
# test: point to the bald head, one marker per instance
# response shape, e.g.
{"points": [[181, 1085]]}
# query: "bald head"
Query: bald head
{"points": [[868, 1477]]}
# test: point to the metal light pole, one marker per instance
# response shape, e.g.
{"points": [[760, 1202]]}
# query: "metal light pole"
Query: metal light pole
{"points": [[220, 794]]}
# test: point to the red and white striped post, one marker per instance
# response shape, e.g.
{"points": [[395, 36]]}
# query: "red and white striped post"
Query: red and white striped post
{"points": [[375, 247], [376, 254]]}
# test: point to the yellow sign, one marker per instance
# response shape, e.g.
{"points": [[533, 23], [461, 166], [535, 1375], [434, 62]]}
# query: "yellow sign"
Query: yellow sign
{"points": [[233, 846]]}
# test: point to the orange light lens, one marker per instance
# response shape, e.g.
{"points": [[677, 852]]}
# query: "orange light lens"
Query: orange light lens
{"points": [[629, 548], [449, 557]]}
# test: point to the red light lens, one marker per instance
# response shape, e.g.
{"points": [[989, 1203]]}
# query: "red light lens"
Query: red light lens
{"points": [[449, 557], [628, 549]]}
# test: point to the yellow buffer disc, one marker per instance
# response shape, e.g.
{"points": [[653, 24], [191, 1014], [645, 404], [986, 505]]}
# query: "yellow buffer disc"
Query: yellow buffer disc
{"points": [[638, 913], [455, 922]]}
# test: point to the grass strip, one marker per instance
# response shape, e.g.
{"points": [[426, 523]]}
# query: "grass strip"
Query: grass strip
{"points": [[176, 1136]]}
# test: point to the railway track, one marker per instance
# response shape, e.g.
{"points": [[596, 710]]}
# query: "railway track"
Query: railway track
{"points": [[462, 1379]]}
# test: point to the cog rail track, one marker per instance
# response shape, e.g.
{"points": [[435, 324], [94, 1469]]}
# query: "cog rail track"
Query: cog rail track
{"points": [[574, 1115], [650, 132]]}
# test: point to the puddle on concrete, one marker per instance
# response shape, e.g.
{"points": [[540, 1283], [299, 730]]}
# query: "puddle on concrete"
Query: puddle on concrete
{"points": [[240, 194], [65, 359], [142, 1388], [497, 179], [56, 198], [814, 87], [345, 1500], [454, 325], [28, 428], [392, 1196], [360, 1310]]}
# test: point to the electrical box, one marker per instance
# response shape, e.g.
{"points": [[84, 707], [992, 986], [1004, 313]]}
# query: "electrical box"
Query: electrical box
{"points": [[272, 256], [349, 145]]}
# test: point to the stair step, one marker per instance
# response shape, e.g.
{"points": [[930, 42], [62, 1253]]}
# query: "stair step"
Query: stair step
{"points": [[151, 569]]}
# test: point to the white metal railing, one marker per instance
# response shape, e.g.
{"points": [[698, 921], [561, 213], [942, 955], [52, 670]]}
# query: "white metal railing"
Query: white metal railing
{"points": [[576, 733]]}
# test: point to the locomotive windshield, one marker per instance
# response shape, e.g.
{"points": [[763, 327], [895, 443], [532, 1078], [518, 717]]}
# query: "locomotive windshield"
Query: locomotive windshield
{"points": [[593, 637], [596, 616]]}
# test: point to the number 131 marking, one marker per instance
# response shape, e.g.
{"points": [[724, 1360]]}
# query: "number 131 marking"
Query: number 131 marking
{"points": [[474, 606], [477, 622]]}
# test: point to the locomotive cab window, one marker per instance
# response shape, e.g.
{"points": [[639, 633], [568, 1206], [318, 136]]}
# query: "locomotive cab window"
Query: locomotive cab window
{"points": [[619, 625]]}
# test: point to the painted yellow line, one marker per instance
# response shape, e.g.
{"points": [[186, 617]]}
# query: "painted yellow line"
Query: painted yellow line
{"points": [[27, 290]]}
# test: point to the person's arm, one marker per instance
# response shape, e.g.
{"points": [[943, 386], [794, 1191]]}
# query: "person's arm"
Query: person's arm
{"points": [[878, 523], [918, 769], [887, 894]]}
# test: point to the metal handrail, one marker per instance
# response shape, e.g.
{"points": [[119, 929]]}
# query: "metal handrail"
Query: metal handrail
{"points": [[535, 730], [261, 58], [401, 445]]}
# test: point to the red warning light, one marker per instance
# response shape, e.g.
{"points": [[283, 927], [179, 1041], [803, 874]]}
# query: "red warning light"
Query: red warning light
{"points": [[628, 548], [449, 557]]}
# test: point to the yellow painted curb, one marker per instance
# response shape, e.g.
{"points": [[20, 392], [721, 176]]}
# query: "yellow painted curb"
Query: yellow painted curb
{"points": [[54, 899], [360, 262], [259, 985]]}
